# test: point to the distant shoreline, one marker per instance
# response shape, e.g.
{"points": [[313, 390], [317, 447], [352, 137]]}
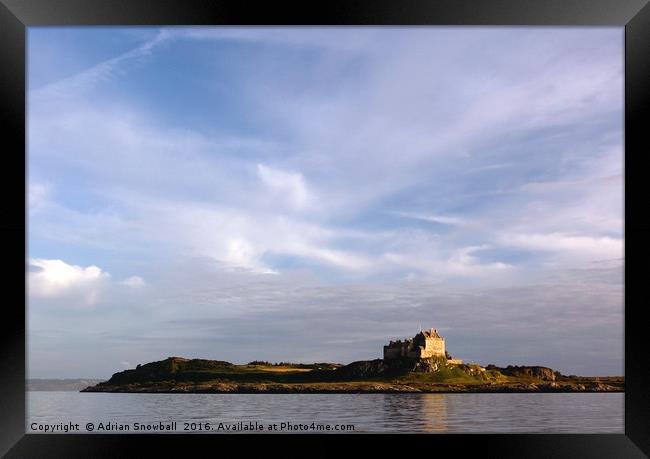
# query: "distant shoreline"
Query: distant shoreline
{"points": [[63, 384]]}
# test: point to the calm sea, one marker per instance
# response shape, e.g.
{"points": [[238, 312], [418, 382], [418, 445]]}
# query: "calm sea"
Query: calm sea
{"points": [[436, 413]]}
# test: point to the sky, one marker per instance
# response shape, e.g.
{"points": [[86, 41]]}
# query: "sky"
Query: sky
{"points": [[308, 194]]}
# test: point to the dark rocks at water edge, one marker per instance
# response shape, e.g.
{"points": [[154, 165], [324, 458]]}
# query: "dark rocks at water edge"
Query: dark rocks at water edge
{"points": [[400, 375], [333, 388]]}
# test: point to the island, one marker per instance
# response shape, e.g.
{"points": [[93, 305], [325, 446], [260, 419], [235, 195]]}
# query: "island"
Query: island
{"points": [[417, 365]]}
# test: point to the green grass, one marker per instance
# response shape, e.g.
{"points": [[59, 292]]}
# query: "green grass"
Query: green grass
{"points": [[445, 374]]}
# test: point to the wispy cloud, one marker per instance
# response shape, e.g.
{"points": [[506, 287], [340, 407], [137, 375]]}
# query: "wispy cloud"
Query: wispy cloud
{"points": [[570, 244], [133, 282], [443, 219], [97, 74], [286, 186]]}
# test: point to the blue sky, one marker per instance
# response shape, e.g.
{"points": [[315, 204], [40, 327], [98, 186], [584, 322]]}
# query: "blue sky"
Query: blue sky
{"points": [[307, 194]]}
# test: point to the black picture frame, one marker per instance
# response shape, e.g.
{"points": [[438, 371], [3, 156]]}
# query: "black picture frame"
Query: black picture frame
{"points": [[17, 15]]}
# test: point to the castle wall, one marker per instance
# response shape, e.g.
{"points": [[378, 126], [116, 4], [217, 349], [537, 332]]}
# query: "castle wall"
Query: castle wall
{"points": [[434, 347], [414, 353], [392, 352]]}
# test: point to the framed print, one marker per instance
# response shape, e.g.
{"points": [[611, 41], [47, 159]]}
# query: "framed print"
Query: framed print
{"points": [[358, 221]]}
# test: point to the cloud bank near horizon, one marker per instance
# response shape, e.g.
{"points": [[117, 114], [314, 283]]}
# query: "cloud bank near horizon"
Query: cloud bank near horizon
{"points": [[198, 191]]}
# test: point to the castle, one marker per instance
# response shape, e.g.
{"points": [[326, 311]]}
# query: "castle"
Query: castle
{"points": [[427, 343]]}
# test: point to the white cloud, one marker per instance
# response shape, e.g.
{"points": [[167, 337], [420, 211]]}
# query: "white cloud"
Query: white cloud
{"points": [[240, 253], [241, 238], [433, 259], [571, 246], [133, 282], [57, 279], [463, 262], [338, 258], [286, 185]]}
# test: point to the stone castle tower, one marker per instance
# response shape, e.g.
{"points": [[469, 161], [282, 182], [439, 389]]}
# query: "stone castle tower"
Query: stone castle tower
{"points": [[427, 343]]}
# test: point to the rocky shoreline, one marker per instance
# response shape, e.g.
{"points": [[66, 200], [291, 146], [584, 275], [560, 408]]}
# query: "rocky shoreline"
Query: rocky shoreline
{"points": [[362, 388]]}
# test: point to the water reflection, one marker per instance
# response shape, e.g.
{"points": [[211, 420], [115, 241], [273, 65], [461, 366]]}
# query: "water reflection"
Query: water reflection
{"points": [[415, 412]]}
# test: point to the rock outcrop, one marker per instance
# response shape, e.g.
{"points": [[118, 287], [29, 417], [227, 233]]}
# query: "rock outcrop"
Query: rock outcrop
{"points": [[543, 373], [165, 369], [393, 367]]}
